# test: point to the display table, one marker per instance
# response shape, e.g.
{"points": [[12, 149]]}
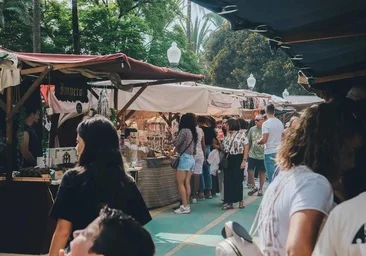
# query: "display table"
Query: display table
{"points": [[157, 182], [25, 225]]}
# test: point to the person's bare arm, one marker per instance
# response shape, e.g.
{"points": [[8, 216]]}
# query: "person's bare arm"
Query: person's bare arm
{"points": [[303, 232], [24, 149], [60, 237], [264, 139], [250, 139], [171, 153], [245, 159]]}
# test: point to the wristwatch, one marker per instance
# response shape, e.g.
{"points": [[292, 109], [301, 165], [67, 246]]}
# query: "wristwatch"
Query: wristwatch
{"points": [[245, 160]]}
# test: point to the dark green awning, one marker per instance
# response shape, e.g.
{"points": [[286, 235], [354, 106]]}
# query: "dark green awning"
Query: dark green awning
{"points": [[325, 39]]}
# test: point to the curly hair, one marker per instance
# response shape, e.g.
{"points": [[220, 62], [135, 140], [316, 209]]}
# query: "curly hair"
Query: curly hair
{"points": [[320, 140]]}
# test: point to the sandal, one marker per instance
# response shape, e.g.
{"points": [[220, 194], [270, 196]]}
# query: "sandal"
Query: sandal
{"points": [[241, 205], [227, 207]]}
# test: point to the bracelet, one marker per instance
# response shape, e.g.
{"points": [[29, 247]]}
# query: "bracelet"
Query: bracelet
{"points": [[245, 160]]}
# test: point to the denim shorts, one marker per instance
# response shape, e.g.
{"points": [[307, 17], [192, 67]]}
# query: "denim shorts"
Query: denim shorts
{"points": [[186, 162]]}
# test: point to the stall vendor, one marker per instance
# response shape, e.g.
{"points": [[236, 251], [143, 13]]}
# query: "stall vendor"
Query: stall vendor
{"points": [[130, 145], [30, 146]]}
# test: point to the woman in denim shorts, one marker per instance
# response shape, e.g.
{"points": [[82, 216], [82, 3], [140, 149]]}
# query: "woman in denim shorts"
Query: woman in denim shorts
{"points": [[185, 146]]}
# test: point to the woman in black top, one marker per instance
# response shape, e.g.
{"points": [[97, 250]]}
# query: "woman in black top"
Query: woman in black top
{"points": [[99, 180]]}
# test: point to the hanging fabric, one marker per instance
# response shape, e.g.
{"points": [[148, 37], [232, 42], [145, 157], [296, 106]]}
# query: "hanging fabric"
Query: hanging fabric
{"points": [[251, 103], [103, 104]]}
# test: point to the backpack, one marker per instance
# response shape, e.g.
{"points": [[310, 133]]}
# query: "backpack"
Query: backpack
{"points": [[238, 242]]}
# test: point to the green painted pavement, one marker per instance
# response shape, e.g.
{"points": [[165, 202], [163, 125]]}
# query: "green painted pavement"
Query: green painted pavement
{"points": [[175, 234]]}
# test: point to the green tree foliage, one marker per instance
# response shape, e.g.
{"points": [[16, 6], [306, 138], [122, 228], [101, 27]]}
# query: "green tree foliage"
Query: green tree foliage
{"points": [[16, 24], [232, 56], [141, 29]]}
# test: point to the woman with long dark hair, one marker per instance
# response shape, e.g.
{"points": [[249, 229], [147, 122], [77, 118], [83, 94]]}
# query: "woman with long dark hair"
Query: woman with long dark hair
{"points": [[99, 180], [185, 146]]}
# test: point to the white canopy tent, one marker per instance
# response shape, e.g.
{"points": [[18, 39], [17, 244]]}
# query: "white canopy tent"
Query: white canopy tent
{"points": [[181, 98], [173, 98]]}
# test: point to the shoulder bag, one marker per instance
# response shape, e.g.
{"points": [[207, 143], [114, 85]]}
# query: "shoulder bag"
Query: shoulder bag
{"points": [[175, 163], [224, 163]]}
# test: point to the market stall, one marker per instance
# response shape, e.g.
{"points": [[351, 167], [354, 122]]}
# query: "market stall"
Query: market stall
{"points": [[27, 200], [153, 112]]}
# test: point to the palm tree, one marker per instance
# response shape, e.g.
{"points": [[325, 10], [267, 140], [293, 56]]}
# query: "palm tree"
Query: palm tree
{"points": [[216, 19], [197, 32], [204, 23], [189, 22]]}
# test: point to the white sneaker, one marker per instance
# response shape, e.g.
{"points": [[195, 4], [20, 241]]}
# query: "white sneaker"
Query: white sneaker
{"points": [[194, 200], [183, 210]]}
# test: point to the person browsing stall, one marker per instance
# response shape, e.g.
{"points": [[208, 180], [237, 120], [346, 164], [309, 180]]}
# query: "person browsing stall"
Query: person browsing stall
{"points": [[199, 160], [99, 180], [256, 157], [272, 131], [236, 147], [185, 144]]}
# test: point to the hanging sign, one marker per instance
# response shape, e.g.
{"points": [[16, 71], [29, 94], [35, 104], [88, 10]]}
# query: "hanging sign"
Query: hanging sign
{"points": [[250, 114], [219, 104], [71, 89]]}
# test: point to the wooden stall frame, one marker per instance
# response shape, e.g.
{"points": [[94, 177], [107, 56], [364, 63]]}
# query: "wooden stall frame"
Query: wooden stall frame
{"points": [[9, 134], [11, 111], [169, 120], [132, 100]]}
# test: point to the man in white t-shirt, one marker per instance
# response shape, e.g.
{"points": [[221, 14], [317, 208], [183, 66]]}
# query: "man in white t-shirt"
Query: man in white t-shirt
{"points": [[344, 233], [272, 131]]}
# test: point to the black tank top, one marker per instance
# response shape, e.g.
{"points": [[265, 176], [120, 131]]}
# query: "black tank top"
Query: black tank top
{"points": [[34, 146]]}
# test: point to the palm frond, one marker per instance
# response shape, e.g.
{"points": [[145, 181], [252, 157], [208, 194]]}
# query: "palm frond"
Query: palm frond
{"points": [[215, 19], [195, 32], [204, 32]]}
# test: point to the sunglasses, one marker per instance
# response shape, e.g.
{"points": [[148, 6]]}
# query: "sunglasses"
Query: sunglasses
{"points": [[257, 120]]}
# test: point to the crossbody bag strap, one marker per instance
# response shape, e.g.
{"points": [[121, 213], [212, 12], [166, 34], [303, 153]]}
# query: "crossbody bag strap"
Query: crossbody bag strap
{"points": [[233, 246], [186, 147]]}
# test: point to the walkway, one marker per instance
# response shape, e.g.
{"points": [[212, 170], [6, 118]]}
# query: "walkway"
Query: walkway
{"points": [[199, 232]]}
